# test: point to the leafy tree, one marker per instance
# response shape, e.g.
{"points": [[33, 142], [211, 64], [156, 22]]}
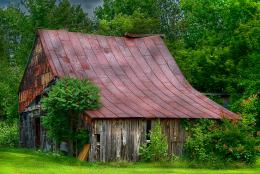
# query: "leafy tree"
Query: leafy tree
{"points": [[12, 24], [213, 51], [135, 23], [67, 99], [112, 8], [147, 16], [52, 15]]}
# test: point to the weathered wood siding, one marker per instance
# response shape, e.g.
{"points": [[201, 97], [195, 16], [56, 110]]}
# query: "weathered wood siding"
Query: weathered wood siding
{"points": [[110, 139], [32, 133], [175, 135], [120, 139], [36, 78]]}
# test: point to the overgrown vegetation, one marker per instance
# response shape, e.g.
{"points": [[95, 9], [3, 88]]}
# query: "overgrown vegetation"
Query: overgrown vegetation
{"points": [[157, 148], [220, 143], [65, 102], [249, 109], [9, 136]]}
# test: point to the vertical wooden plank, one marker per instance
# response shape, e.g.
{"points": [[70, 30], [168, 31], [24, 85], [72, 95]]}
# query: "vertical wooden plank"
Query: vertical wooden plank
{"points": [[127, 138], [108, 148], [92, 143], [118, 140], [172, 135], [112, 156], [102, 141]]}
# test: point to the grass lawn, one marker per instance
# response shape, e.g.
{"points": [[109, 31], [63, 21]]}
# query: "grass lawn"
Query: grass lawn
{"points": [[19, 161]]}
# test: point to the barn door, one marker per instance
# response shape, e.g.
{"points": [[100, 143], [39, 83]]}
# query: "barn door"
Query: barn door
{"points": [[37, 132]]}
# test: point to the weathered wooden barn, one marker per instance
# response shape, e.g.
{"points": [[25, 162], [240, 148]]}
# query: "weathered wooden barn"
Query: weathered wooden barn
{"points": [[140, 82]]}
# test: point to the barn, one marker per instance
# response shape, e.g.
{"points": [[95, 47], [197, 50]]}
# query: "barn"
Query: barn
{"points": [[140, 83]]}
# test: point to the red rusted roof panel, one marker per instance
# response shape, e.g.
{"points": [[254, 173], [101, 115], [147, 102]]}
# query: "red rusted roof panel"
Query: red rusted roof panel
{"points": [[138, 77]]}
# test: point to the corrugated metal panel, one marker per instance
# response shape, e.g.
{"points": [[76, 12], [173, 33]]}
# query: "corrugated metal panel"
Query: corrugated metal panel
{"points": [[138, 77]]}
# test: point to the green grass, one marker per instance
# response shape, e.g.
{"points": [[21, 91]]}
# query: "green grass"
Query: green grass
{"points": [[20, 161]]}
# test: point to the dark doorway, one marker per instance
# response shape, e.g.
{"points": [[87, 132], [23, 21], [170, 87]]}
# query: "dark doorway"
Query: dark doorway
{"points": [[37, 132], [148, 130]]}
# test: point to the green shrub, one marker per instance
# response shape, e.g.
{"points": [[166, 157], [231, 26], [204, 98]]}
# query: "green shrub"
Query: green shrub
{"points": [[220, 143], [158, 147], [249, 107], [66, 101], [8, 135]]}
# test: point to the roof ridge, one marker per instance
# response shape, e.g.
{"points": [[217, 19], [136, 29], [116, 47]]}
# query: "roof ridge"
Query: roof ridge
{"points": [[132, 35]]}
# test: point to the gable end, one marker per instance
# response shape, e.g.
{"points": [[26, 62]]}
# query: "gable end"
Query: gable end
{"points": [[36, 78]]}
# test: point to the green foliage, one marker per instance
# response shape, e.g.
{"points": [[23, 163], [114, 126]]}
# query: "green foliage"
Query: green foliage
{"points": [[49, 14], [215, 50], [135, 23], [8, 134], [157, 149], [67, 99], [134, 16], [12, 57], [220, 143], [250, 111], [82, 138], [112, 8]]}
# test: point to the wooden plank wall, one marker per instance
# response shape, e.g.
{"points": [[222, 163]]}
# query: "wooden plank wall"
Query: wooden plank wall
{"points": [[28, 131], [175, 135], [120, 139]]}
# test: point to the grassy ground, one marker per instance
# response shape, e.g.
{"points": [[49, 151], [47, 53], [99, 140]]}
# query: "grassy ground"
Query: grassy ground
{"points": [[29, 162]]}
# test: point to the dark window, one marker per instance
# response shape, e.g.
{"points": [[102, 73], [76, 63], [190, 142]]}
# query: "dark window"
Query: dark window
{"points": [[98, 138], [148, 129]]}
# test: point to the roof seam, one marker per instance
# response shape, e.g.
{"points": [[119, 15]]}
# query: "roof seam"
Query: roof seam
{"points": [[93, 68], [113, 53], [217, 108], [104, 71], [140, 81], [186, 101]]}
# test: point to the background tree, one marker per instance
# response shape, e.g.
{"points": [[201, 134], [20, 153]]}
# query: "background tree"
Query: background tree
{"points": [[210, 53], [147, 16], [52, 15]]}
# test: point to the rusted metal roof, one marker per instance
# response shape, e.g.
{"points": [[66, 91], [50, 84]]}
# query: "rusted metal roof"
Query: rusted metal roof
{"points": [[138, 77]]}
